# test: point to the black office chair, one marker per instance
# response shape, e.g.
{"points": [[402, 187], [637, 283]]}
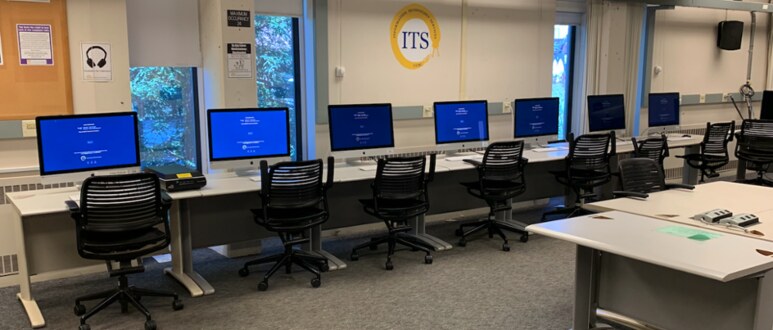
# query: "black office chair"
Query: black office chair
{"points": [[587, 167], [399, 194], [655, 148], [121, 218], [713, 150], [755, 146], [641, 176], [294, 200], [500, 178]]}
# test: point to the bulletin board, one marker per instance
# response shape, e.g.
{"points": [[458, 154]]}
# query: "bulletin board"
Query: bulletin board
{"points": [[30, 90]]}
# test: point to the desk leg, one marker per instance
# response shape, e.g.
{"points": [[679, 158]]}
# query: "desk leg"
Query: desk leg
{"points": [[25, 288], [182, 262], [689, 174], [585, 289], [316, 246], [763, 319], [420, 230]]}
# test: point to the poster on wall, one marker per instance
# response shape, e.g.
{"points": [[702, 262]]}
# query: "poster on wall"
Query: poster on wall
{"points": [[240, 60], [96, 62], [414, 36], [35, 44]]}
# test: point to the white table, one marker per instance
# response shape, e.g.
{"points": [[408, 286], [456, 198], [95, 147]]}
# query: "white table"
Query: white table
{"points": [[629, 265], [679, 205]]}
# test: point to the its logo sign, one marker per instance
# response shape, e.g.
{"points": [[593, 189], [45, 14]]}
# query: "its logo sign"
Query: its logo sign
{"points": [[415, 36]]}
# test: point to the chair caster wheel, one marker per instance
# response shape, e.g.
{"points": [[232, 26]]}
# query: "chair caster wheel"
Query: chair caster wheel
{"points": [[354, 257], [315, 282], [525, 238], [389, 265], [428, 259], [373, 247], [462, 243], [458, 232], [84, 327], [263, 286], [244, 272], [324, 268], [505, 247], [79, 310], [177, 304], [150, 325]]}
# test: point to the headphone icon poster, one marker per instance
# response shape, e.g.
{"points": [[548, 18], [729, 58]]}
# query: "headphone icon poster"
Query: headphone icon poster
{"points": [[96, 62]]}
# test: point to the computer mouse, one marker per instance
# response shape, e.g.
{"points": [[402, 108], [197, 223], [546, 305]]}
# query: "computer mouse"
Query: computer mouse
{"points": [[686, 135]]}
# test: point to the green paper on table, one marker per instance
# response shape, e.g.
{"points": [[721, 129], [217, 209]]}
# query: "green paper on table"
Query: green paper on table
{"points": [[691, 233]]}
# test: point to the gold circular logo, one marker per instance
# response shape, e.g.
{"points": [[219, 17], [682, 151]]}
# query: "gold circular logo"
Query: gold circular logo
{"points": [[415, 36]]}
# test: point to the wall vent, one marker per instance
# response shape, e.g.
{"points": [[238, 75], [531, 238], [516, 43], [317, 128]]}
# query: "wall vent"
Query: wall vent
{"points": [[9, 265], [16, 187]]}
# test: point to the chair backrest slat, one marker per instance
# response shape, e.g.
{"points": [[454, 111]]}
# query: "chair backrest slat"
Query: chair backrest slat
{"points": [[400, 178], [503, 161], [590, 152], [121, 202], [655, 148], [294, 184], [641, 175], [755, 143], [716, 139]]}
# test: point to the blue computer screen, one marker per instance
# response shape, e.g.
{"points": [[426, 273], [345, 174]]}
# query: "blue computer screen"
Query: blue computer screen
{"points": [[606, 112], [77, 143], [461, 121], [360, 126], [248, 133], [663, 109], [536, 117]]}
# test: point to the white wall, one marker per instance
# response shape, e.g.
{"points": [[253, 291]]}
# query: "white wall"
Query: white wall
{"points": [[504, 52]]}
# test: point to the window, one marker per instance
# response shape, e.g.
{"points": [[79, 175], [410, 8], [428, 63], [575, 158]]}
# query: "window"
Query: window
{"points": [[277, 68], [166, 104], [563, 52]]}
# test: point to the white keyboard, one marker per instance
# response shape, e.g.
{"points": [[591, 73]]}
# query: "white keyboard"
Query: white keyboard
{"points": [[368, 168], [678, 138], [622, 143], [255, 178], [461, 158], [546, 149]]}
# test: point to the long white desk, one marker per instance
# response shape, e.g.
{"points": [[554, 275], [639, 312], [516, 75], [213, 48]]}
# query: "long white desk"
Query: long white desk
{"points": [[679, 205], [649, 270]]}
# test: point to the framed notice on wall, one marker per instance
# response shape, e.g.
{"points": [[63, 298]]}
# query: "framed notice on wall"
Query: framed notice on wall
{"points": [[35, 44]]}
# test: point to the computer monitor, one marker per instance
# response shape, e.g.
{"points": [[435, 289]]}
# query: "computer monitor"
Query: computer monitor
{"points": [[766, 110], [663, 110], [606, 112], [74, 147], [361, 130], [461, 125], [240, 138], [535, 121]]}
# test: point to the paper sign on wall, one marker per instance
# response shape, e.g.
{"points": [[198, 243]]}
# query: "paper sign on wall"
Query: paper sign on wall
{"points": [[96, 62], [240, 60], [238, 18], [34, 44]]}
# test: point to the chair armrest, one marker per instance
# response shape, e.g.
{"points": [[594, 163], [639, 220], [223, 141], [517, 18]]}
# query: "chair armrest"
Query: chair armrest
{"points": [[330, 172], [679, 186], [75, 210], [619, 193], [166, 201]]}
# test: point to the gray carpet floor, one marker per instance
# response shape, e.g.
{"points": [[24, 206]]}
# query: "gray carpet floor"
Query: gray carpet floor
{"points": [[475, 287]]}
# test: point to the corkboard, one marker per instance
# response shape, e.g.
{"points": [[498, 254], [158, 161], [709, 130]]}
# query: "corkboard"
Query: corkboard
{"points": [[30, 91]]}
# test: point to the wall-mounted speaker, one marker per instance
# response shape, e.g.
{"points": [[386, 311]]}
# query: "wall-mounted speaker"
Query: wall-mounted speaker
{"points": [[729, 35]]}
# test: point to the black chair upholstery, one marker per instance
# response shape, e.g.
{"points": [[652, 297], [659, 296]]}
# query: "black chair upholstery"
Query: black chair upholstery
{"points": [[587, 167], [713, 150], [121, 218], [500, 178], [755, 146], [294, 200], [641, 176], [655, 148], [399, 195]]}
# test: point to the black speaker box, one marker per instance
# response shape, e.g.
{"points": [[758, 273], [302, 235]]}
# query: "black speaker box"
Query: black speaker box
{"points": [[729, 35]]}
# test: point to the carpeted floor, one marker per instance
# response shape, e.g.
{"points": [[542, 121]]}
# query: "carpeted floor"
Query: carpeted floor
{"points": [[475, 287]]}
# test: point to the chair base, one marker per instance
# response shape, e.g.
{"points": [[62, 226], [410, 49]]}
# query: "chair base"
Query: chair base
{"points": [[393, 239], [312, 263], [125, 295], [492, 226]]}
